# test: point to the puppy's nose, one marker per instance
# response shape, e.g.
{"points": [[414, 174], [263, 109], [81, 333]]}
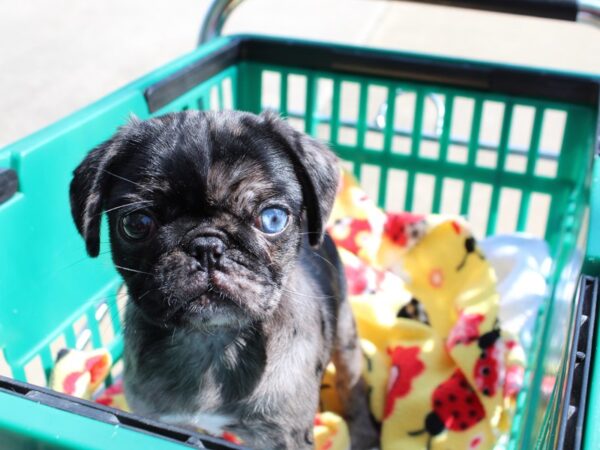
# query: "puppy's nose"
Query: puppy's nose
{"points": [[207, 250]]}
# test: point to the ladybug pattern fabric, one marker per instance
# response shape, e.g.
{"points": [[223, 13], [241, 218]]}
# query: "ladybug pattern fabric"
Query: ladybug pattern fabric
{"points": [[442, 374]]}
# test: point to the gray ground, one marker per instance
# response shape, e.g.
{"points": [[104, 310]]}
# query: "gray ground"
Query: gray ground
{"points": [[56, 57]]}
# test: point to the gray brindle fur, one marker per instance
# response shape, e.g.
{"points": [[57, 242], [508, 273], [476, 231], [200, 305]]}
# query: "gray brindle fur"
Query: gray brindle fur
{"points": [[229, 328]]}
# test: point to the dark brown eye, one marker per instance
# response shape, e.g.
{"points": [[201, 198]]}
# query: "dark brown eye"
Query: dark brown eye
{"points": [[137, 226]]}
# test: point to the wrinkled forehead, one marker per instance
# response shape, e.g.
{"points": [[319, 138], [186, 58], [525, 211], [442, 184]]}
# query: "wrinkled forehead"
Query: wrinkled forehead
{"points": [[202, 162]]}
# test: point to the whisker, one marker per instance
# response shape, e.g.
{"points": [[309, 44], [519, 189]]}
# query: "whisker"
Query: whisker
{"points": [[290, 291], [133, 270], [146, 293], [126, 205], [79, 261], [327, 261], [126, 179]]}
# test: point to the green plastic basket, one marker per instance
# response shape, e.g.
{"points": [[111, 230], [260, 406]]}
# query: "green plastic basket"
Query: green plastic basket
{"points": [[510, 148]]}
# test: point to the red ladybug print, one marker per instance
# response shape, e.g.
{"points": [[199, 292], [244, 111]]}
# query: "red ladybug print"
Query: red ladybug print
{"points": [[488, 370], [362, 279], [106, 398], [350, 228], [406, 366], [465, 331], [356, 278], [455, 406], [405, 229]]}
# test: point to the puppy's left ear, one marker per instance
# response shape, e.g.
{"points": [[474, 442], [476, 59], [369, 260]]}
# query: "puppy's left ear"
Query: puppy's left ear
{"points": [[90, 185], [317, 170]]}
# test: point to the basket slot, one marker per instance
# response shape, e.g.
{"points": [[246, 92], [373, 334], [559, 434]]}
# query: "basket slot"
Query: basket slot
{"points": [[552, 136], [57, 345], [214, 100], [451, 195], [479, 207], [34, 372], [432, 122], [5, 369], [296, 93], [521, 130], [104, 322], [271, 95], [404, 120], [82, 332], [508, 210], [370, 176], [490, 134], [375, 117], [423, 193], [349, 111], [396, 188], [116, 306], [92, 324], [347, 165], [537, 218], [227, 90]]}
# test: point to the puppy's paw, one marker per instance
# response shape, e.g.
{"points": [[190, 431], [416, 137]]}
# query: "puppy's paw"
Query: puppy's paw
{"points": [[363, 435], [213, 424]]}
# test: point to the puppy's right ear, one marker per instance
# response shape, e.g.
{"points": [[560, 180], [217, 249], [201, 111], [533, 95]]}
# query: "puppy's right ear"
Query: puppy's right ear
{"points": [[89, 188]]}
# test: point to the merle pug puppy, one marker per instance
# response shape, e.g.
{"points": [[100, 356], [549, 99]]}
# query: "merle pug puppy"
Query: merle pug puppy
{"points": [[238, 302]]}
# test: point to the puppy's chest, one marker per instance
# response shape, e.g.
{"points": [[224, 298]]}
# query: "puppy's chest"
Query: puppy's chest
{"points": [[259, 373], [197, 373]]}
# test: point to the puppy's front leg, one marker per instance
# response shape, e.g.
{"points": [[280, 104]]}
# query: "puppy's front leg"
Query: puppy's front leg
{"points": [[350, 386], [282, 433]]}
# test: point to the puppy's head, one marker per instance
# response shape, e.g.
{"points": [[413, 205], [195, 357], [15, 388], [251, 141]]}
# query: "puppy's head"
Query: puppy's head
{"points": [[206, 212]]}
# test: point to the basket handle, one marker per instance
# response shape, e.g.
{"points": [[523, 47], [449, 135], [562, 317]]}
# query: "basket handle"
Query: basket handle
{"points": [[570, 10], [217, 14], [587, 11]]}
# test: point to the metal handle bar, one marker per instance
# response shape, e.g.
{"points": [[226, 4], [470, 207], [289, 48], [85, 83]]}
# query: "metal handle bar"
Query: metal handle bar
{"points": [[587, 11], [215, 18], [551, 9]]}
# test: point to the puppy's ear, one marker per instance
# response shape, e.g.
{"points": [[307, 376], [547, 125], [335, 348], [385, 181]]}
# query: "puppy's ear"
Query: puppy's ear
{"points": [[89, 188], [317, 170]]}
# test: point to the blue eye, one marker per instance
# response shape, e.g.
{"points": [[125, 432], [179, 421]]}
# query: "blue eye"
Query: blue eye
{"points": [[272, 220]]}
